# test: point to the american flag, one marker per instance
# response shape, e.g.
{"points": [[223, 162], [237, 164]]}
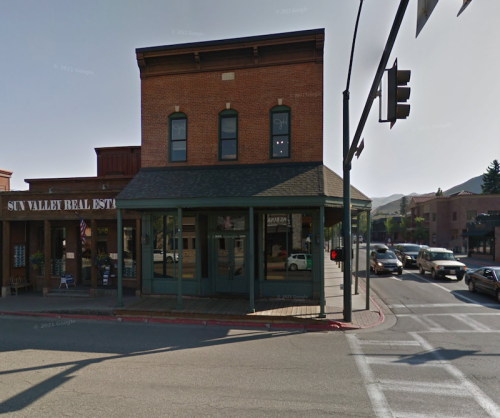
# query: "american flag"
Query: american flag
{"points": [[83, 227]]}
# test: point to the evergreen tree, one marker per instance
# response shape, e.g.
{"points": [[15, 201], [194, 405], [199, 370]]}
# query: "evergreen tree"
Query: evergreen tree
{"points": [[390, 226], [403, 206], [439, 192], [491, 179]]}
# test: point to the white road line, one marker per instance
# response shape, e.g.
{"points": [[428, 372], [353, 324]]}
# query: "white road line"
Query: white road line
{"points": [[443, 305], [458, 295], [377, 398], [436, 388], [476, 325], [415, 415], [429, 324], [388, 343], [490, 407], [402, 361]]}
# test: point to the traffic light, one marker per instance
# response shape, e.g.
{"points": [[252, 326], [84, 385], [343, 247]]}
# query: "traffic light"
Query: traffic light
{"points": [[337, 254], [396, 94]]}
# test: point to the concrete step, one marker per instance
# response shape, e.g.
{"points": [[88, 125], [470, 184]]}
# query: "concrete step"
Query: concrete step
{"points": [[69, 293]]}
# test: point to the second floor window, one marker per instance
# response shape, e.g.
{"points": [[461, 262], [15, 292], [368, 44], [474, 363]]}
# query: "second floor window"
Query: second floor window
{"points": [[178, 138], [228, 135], [280, 132]]}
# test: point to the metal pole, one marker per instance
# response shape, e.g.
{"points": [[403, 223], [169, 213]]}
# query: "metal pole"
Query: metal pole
{"points": [[378, 76], [346, 221], [357, 256], [368, 236]]}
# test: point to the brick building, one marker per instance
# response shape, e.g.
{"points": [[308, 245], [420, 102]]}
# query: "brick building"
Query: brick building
{"points": [[446, 218], [232, 168], [5, 180]]}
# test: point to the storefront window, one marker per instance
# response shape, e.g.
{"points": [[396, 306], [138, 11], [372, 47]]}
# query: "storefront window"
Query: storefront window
{"points": [[287, 246], [230, 223], [166, 243], [58, 251]]}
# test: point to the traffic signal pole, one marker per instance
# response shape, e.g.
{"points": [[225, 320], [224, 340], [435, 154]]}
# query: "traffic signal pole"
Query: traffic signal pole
{"points": [[348, 153]]}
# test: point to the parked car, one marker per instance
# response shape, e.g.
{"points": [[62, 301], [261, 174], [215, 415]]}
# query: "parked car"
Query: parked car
{"points": [[484, 279], [383, 261], [158, 256], [407, 253], [440, 262], [299, 262]]}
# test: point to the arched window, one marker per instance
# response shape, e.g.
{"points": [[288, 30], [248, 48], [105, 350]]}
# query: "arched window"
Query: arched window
{"points": [[178, 137], [280, 132], [228, 135]]}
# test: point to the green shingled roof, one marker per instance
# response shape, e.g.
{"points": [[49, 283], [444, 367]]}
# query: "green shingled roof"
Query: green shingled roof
{"points": [[237, 181]]}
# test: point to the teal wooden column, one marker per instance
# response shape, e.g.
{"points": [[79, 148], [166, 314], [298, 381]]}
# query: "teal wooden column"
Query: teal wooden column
{"points": [[322, 261], [251, 270], [120, 257], [368, 235], [179, 246]]}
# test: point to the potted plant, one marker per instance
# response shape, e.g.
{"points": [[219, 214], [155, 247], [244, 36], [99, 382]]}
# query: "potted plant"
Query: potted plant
{"points": [[37, 260]]}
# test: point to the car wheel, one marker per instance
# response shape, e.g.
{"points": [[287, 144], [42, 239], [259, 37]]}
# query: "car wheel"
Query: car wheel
{"points": [[433, 274], [293, 267], [376, 271], [459, 278], [421, 270], [400, 272], [472, 287], [407, 264], [498, 295], [170, 260]]}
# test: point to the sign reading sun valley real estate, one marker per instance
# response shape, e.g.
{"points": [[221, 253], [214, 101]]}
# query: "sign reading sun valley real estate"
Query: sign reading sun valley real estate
{"points": [[61, 204]]}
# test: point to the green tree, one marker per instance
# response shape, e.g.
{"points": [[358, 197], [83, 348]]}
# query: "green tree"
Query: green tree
{"points": [[403, 227], [403, 206], [420, 231], [390, 226], [439, 192], [491, 179]]}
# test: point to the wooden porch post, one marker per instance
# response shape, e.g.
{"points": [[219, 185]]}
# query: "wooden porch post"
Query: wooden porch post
{"points": [[6, 259], [93, 254], [120, 257], [138, 252], [179, 272], [47, 252], [322, 260], [251, 270]]}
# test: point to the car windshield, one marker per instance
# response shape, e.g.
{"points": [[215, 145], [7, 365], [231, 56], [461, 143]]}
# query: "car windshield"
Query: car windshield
{"points": [[411, 248], [386, 255], [443, 256]]}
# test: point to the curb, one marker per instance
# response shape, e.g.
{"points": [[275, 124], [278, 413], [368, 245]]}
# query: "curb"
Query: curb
{"points": [[380, 313], [330, 326]]}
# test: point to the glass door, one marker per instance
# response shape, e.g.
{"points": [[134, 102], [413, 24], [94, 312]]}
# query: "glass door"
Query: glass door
{"points": [[230, 264]]}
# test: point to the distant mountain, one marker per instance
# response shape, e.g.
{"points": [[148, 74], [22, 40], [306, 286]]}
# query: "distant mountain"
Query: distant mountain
{"points": [[473, 185], [391, 204], [380, 201]]}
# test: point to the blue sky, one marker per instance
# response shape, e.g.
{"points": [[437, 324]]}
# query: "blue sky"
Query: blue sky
{"points": [[69, 81]]}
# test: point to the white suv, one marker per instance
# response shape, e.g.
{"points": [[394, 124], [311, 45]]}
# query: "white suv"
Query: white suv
{"points": [[440, 262]]}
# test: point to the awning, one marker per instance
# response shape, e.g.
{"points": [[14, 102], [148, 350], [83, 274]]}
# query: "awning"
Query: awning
{"points": [[479, 233]]}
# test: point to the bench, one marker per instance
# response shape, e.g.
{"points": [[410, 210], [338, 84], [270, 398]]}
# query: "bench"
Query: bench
{"points": [[19, 282]]}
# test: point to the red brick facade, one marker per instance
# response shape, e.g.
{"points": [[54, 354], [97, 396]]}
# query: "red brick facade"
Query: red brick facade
{"points": [[291, 76]]}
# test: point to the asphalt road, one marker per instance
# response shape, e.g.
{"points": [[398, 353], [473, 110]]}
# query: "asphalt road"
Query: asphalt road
{"points": [[436, 355], [98, 369], [442, 356]]}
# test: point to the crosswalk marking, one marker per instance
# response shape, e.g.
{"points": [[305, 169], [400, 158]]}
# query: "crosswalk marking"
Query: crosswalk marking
{"points": [[476, 325], [427, 323], [388, 343], [441, 388], [428, 356]]}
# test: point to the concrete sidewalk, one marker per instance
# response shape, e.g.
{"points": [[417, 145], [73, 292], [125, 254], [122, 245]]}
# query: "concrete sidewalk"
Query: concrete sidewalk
{"points": [[104, 308]]}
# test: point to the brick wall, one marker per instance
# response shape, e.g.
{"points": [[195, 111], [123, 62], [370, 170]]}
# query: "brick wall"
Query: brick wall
{"points": [[252, 93]]}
